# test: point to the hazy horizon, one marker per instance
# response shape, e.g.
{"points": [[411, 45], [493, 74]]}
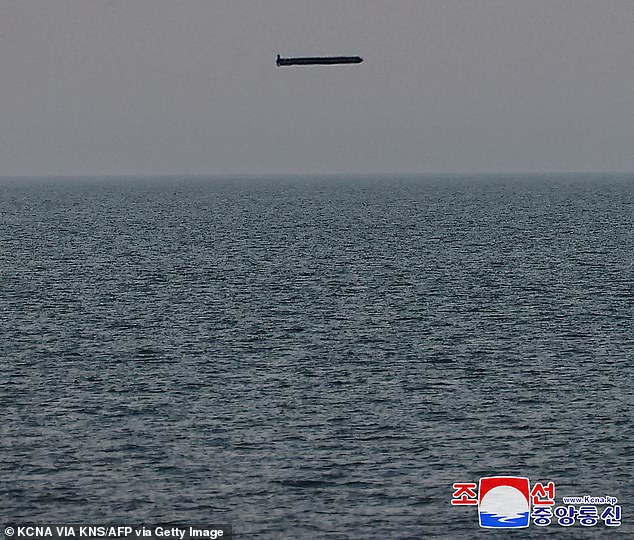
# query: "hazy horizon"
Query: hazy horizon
{"points": [[429, 175], [154, 87]]}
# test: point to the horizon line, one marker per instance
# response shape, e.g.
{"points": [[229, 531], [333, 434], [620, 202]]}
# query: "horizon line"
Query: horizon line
{"points": [[314, 174]]}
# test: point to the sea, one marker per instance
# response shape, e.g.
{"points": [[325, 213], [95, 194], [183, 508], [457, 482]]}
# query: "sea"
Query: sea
{"points": [[314, 357]]}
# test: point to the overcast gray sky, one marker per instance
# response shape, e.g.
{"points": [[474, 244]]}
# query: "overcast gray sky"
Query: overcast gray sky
{"points": [[101, 87]]}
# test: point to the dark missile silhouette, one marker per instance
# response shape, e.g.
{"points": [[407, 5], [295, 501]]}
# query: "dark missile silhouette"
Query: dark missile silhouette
{"points": [[318, 60]]}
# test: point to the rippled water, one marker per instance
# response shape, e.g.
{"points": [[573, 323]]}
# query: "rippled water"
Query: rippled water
{"points": [[310, 357]]}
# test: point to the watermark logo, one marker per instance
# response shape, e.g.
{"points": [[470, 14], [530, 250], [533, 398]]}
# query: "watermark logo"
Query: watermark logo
{"points": [[510, 502], [503, 502]]}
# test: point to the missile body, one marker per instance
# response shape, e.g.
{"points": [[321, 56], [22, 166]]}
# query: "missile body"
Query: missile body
{"points": [[318, 60]]}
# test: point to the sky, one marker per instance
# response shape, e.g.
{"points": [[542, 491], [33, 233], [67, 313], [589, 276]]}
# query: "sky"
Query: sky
{"points": [[145, 87]]}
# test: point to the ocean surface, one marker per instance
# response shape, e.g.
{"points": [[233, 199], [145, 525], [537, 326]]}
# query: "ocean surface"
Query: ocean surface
{"points": [[313, 357]]}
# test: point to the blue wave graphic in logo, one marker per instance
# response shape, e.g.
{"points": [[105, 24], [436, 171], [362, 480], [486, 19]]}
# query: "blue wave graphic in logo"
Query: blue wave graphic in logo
{"points": [[501, 521]]}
